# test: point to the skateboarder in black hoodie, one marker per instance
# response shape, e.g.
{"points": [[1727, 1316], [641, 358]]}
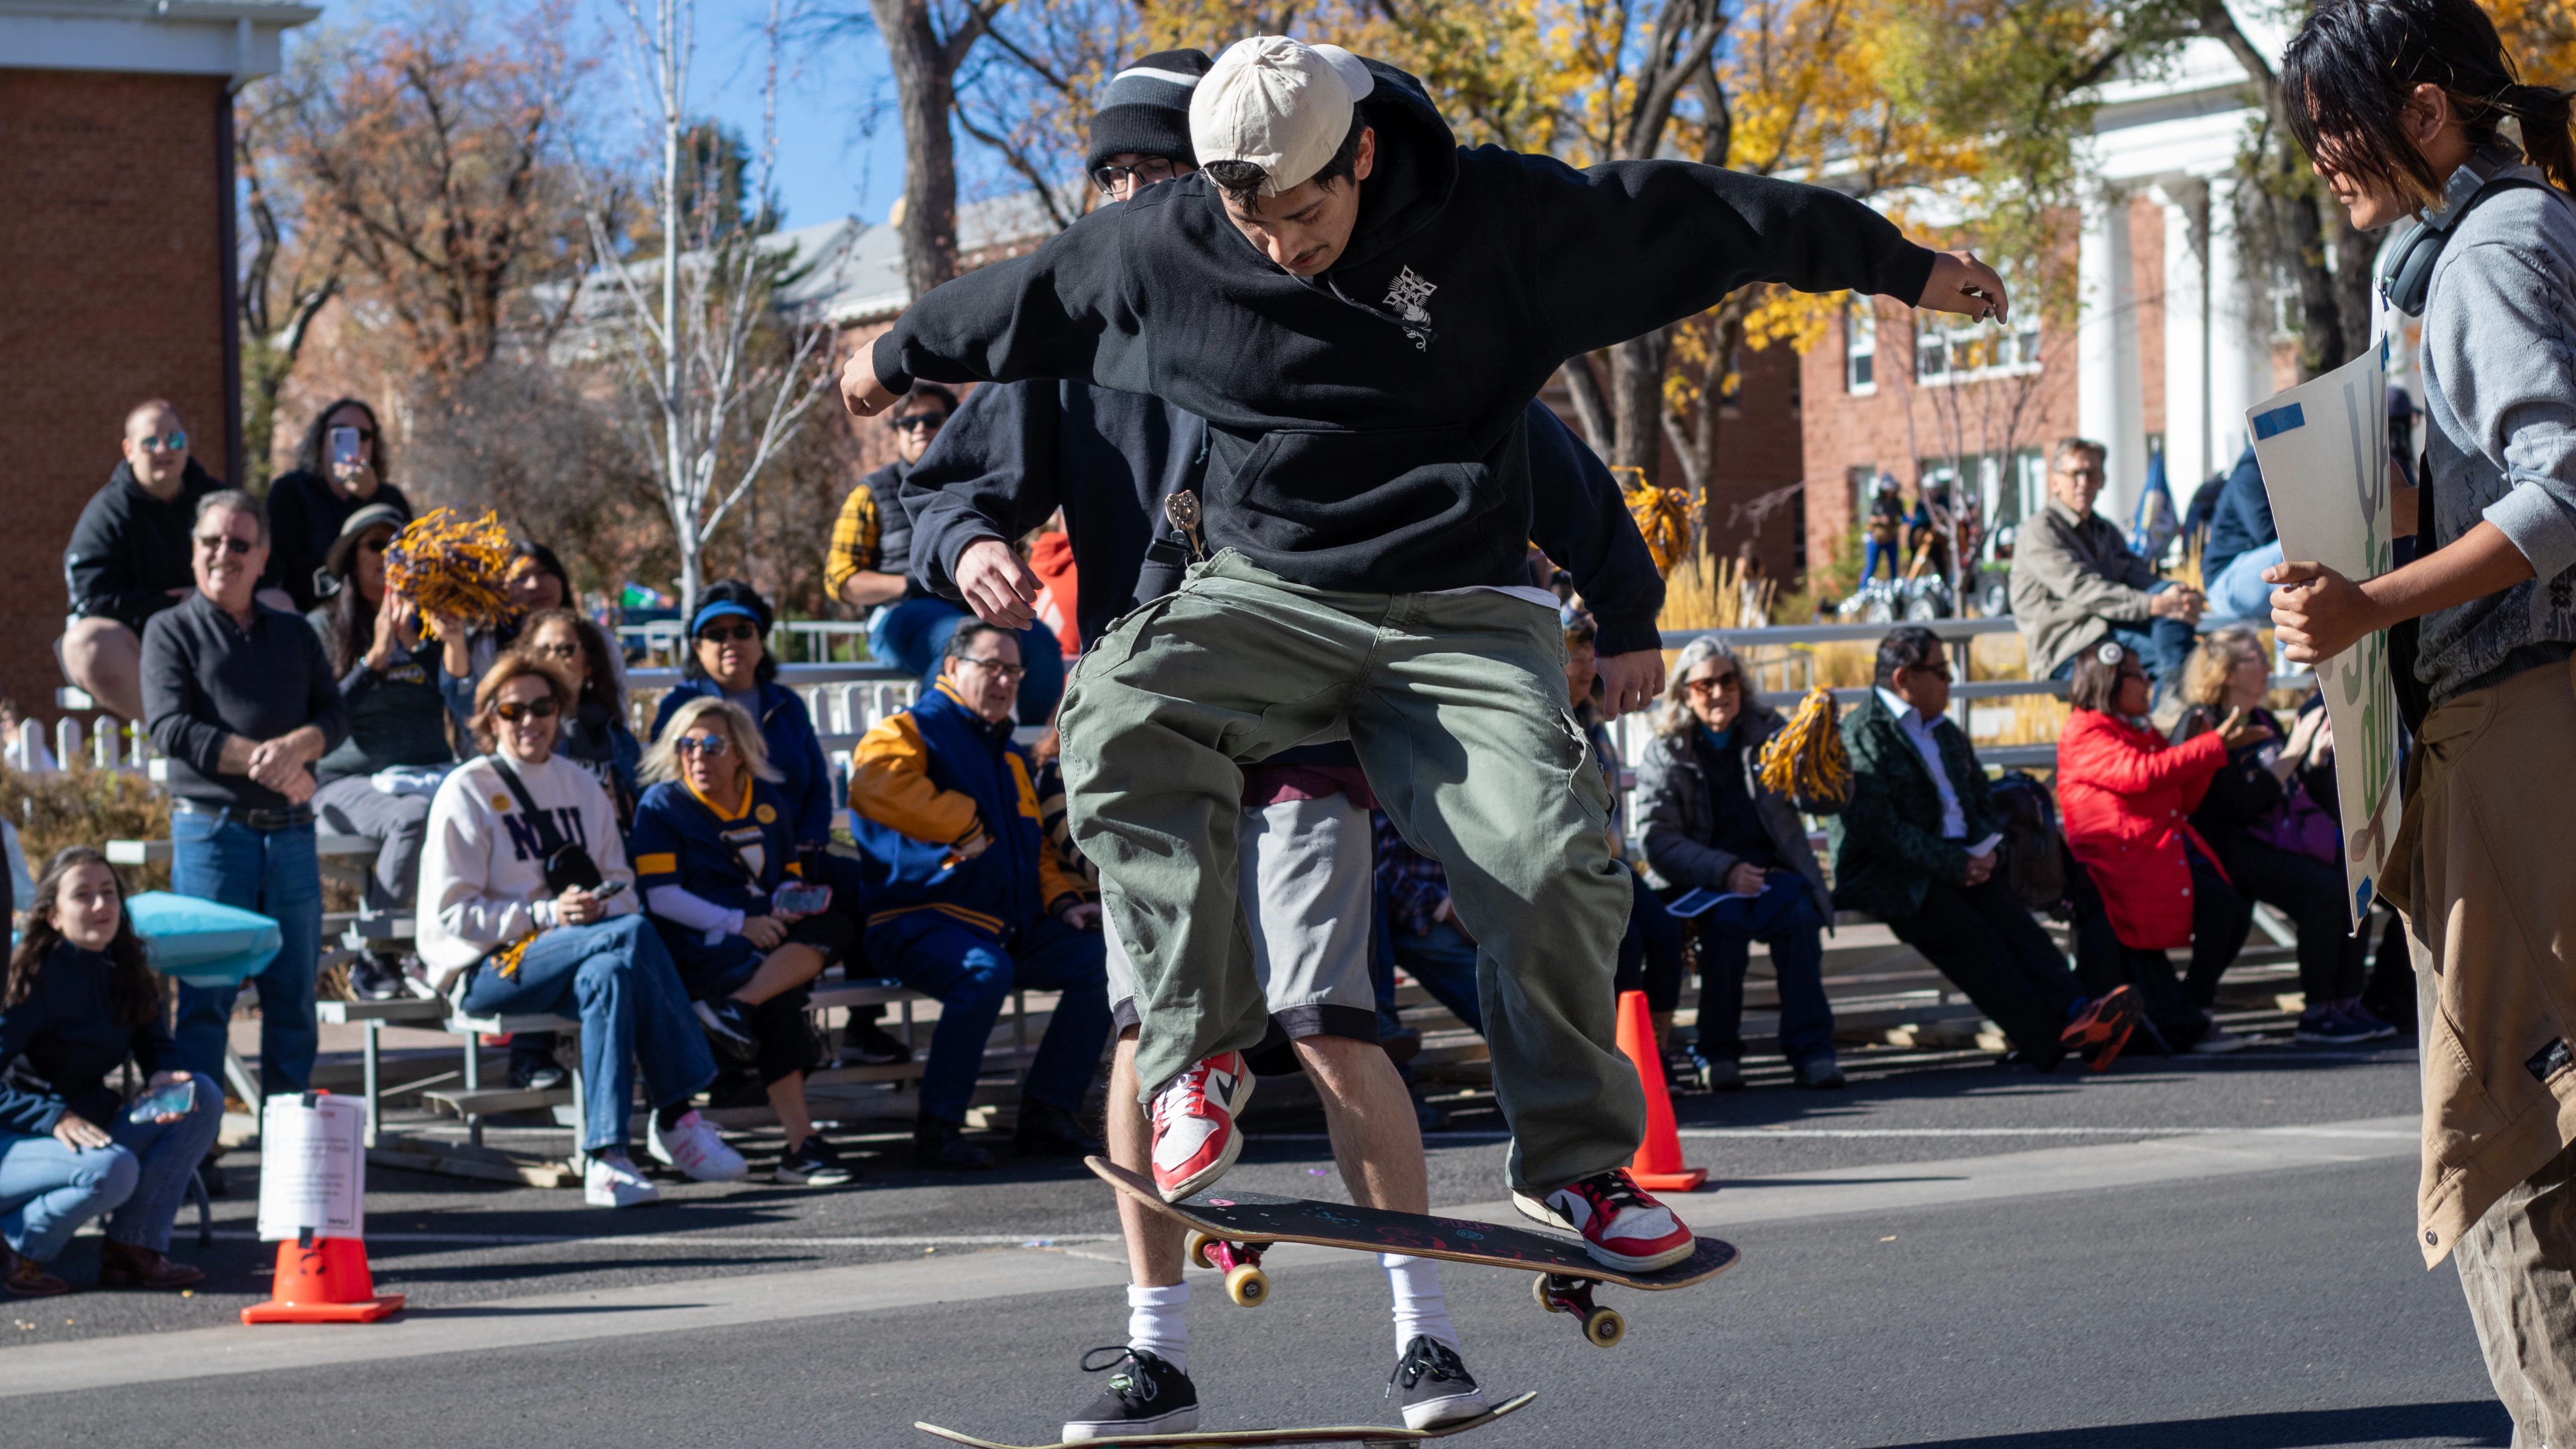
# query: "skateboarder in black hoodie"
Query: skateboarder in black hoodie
{"points": [[1361, 311]]}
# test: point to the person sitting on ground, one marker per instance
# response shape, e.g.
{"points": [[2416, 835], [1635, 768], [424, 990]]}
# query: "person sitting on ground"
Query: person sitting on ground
{"points": [[1652, 955], [1916, 847], [378, 782], [339, 469], [243, 701], [76, 1004], [2267, 818], [972, 904], [128, 558], [713, 850], [2149, 881], [527, 908], [2075, 583], [1712, 825]]}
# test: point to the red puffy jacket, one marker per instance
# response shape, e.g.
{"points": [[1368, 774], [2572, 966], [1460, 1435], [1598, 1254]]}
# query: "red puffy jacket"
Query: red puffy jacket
{"points": [[2126, 800]]}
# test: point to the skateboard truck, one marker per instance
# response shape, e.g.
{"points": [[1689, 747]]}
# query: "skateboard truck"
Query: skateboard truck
{"points": [[1245, 1283], [1558, 1293]]}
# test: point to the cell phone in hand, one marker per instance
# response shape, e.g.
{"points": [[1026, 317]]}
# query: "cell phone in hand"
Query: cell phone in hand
{"points": [[176, 1099], [796, 898], [610, 891], [346, 450]]}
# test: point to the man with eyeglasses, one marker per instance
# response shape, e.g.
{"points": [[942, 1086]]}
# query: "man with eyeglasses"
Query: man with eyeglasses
{"points": [[2075, 582], [242, 699], [128, 558], [968, 904]]}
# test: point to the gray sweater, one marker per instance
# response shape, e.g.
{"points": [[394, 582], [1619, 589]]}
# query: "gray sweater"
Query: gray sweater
{"points": [[2499, 365]]}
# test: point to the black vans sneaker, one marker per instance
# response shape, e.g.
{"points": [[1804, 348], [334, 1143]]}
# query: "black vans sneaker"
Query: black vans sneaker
{"points": [[1146, 1395], [1434, 1387], [812, 1163]]}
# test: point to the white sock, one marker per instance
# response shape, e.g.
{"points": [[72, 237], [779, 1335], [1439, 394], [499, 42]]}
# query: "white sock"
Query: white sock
{"points": [[1420, 1306], [1157, 1322]]}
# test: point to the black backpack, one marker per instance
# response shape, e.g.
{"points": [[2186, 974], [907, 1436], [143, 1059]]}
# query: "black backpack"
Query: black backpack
{"points": [[2033, 854]]}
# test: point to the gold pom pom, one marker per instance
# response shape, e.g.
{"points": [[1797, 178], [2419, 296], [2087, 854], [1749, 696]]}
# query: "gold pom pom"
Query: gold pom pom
{"points": [[1806, 761], [452, 566]]}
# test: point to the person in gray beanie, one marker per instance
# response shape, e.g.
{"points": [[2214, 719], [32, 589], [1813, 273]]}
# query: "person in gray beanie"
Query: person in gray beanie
{"points": [[1142, 128]]}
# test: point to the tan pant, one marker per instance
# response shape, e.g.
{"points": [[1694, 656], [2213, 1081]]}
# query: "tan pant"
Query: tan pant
{"points": [[2518, 1268]]}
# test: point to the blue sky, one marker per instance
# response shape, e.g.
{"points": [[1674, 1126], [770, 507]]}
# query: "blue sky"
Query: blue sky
{"points": [[840, 151]]}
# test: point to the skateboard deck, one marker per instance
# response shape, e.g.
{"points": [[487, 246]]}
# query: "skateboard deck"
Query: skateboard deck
{"points": [[1330, 1434], [1254, 1217]]}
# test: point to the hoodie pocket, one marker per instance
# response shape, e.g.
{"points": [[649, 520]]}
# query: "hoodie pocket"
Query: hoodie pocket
{"points": [[1312, 491]]}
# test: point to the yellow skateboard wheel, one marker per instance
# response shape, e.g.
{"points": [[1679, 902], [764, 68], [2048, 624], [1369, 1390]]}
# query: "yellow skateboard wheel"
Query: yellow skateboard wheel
{"points": [[1248, 1286], [1604, 1327], [1197, 1247]]}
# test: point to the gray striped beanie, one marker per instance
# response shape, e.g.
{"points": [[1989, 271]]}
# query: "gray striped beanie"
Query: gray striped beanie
{"points": [[1146, 108]]}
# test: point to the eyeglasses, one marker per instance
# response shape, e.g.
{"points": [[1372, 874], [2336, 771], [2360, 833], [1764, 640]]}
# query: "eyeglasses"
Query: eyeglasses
{"points": [[565, 650], [518, 710], [729, 634], [1943, 672], [714, 747], [920, 422], [2092, 473], [1007, 671], [1703, 688], [1143, 173], [174, 441], [225, 541]]}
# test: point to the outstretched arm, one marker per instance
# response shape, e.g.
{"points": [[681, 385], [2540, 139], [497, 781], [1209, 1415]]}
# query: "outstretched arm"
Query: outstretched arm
{"points": [[1056, 312]]}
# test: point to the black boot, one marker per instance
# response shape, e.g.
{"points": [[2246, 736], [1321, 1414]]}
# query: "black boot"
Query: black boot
{"points": [[941, 1145], [1050, 1131]]}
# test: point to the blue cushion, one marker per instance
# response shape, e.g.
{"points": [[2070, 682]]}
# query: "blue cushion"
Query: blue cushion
{"points": [[202, 942]]}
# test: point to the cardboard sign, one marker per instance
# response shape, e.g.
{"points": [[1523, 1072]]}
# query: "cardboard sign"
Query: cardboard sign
{"points": [[312, 1167], [2323, 446]]}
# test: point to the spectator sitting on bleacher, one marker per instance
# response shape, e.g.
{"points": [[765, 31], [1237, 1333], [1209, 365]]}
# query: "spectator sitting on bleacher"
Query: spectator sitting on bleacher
{"points": [[76, 1003], [243, 701], [378, 782], [973, 904], [2148, 881], [1916, 847], [596, 735], [535, 582], [712, 851], [128, 558], [339, 470], [512, 918], [2075, 582], [2268, 817], [1712, 825]]}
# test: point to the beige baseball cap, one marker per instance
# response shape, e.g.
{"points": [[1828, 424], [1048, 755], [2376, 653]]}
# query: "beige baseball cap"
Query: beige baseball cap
{"points": [[1279, 104]]}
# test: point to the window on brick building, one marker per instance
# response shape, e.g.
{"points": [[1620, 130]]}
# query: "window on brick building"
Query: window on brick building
{"points": [[1860, 347]]}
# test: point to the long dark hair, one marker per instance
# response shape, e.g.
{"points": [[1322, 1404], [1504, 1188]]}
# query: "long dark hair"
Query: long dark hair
{"points": [[132, 989], [732, 591], [2355, 63], [350, 626], [546, 560], [599, 677], [314, 455]]}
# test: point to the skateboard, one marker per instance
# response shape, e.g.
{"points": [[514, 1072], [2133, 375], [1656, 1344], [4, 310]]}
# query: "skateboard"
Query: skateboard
{"points": [[1371, 1434], [1229, 1229]]}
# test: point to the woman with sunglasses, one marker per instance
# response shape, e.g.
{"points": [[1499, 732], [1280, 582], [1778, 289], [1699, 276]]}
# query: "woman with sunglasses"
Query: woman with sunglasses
{"points": [[339, 469], [509, 928], [713, 853], [2149, 882], [2402, 105], [595, 734], [1712, 828]]}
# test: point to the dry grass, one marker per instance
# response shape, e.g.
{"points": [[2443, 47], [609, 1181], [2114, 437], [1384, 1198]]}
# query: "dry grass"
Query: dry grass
{"points": [[1703, 592], [86, 806]]}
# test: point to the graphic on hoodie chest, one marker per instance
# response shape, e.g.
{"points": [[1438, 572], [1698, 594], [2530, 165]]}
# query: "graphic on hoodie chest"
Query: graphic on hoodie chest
{"points": [[1405, 297], [524, 842]]}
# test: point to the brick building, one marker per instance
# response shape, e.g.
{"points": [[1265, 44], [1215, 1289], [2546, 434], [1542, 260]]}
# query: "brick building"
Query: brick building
{"points": [[116, 247]]}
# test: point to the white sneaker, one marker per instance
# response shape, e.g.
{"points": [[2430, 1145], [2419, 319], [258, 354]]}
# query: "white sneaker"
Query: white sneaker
{"points": [[611, 1181], [693, 1147], [2219, 1040]]}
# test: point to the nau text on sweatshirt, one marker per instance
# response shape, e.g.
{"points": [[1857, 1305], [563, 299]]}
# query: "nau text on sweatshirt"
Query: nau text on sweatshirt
{"points": [[483, 871]]}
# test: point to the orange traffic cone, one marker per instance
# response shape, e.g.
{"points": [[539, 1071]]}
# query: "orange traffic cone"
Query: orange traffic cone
{"points": [[1657, 1167], [323, 1280]]}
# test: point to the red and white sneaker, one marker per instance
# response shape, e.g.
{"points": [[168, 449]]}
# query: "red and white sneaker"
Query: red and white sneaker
{"points": [[1194, 1137], [1619, 1224]]}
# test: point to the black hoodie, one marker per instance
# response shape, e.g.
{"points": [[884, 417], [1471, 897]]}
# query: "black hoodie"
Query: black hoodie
{"points": [[130, 549], [1017, 451], [1365, 427]]}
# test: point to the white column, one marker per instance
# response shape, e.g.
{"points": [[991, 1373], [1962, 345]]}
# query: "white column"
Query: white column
{"points": [[2190, 452], [2107, 403], [2240, 329]]}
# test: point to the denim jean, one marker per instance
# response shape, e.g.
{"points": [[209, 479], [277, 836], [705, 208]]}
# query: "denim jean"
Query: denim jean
{"points": [[2239, 591], [970, 975], [1784, 917], [913, 634], [47, 1190], [215, 857], [1444, 962], [615, 976], [1651, 954], [1871, 552]]}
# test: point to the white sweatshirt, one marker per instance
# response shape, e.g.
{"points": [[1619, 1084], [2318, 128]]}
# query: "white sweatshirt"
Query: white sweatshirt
{"points": [[482, 875]]}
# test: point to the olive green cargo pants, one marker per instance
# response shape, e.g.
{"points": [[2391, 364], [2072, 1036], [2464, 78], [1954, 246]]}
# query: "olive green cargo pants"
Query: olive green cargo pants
{"points": [[1456, 705]]}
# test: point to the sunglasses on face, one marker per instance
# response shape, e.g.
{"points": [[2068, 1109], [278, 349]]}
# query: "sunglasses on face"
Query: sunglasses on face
{"points": [[566, 650], [1007, 671], [375, 545], [920, 422], [526, 709], [1703, 688], [728, 634], [225, 541], [169, 442], [714, 747]]}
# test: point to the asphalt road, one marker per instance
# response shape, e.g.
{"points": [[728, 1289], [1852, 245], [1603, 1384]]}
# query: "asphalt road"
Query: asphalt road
{"points": [[1978, 1257]]}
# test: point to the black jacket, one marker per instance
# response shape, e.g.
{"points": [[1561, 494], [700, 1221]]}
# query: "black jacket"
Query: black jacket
{"points": [[304, 517], [1888, 846], [1681, 807], [1366, 427], [2242, 522], [67, 1033], [130, 549], [205, 678], [1015, 452]]}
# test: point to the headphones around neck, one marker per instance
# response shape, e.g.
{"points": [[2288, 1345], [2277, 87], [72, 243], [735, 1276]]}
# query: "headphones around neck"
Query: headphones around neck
{"points": [[2406, 273]]}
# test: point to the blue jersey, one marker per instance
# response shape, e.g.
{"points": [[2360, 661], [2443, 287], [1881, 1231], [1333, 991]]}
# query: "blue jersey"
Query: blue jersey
{"points": [[731, 858]]}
